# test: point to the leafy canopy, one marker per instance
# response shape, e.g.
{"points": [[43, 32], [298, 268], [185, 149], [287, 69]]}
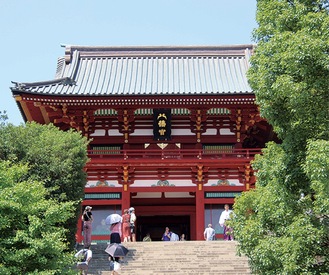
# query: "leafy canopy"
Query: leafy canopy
{"points": [[54, 157], [31, 226], [282, 225]]}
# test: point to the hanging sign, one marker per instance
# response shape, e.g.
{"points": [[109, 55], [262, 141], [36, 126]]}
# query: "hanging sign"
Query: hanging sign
{"points": [[162, 124]]}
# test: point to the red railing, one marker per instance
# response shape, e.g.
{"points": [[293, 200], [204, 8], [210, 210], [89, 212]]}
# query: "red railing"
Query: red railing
{"points": [[174, 154]]}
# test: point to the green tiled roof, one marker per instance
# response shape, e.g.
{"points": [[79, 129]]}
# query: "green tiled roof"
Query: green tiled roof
{"points": [[102, 196], [209, 195]]}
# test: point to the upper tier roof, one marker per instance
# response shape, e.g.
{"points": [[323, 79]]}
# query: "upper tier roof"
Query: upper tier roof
{"points": [[129, 71]]}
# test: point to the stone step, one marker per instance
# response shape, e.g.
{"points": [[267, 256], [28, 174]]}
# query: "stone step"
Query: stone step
{"points": [[190, 257]]}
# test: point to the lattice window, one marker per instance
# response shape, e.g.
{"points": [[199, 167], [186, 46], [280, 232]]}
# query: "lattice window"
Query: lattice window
{"points": [[219, 111], [106, 149], [105, 112], [177, 112], [218, 148]]}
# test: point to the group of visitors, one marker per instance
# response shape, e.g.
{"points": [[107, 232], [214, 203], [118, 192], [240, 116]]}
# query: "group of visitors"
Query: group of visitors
{"points": [[209, 232], [171, 236], [129, 225], [224, 219], [124, 229]]}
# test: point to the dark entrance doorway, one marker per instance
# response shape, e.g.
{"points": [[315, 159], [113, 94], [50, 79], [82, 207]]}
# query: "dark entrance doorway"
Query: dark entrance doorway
{"points": [[155, 225]]}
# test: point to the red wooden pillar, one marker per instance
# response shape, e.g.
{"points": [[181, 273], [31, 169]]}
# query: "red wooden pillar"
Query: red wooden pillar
{"points": [[199, 205], [125, 197]]}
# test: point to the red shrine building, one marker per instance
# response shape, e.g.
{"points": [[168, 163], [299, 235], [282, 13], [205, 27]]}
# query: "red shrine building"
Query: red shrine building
{"points": [[173, 130]]}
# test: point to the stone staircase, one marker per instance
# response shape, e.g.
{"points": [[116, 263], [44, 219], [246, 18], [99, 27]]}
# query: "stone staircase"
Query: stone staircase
{"points": [[190, 257]]}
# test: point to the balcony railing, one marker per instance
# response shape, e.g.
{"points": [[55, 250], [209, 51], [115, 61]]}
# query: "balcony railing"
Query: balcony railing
{"points": [[173, 154]]}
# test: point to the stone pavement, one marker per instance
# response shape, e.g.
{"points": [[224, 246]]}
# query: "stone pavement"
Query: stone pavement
{"points": [[163, 258]]}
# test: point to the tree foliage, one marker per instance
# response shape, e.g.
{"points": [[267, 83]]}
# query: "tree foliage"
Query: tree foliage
{"points": [[54, 157], [282, 225], [3, 118], [32, 227]]}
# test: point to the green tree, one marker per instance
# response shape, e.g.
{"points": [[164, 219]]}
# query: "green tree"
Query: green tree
{"points": [[282, 225], [32, 230], [55, 157], [3, 118]]}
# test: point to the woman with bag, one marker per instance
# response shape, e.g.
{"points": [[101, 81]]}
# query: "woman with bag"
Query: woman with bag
{"points": [[126, 226], [87, 218]]}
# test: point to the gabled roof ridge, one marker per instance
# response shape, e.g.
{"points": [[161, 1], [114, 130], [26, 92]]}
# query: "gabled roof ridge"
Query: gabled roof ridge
{"points": [[140, 51], [158, 48], [157, 51]]}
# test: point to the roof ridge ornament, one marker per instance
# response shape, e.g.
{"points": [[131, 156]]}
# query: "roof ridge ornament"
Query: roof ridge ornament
{"points": [[63, 81], [19, 86], [68, 81]]}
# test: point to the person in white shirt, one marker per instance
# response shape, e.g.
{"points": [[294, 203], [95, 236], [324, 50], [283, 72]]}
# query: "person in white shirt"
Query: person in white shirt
{"points": [[133, 223], [85, 256], [209, 233], [228, 231]]}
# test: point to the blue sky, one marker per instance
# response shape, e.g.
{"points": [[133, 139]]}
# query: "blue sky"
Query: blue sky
{"points": [[32, 31]]}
